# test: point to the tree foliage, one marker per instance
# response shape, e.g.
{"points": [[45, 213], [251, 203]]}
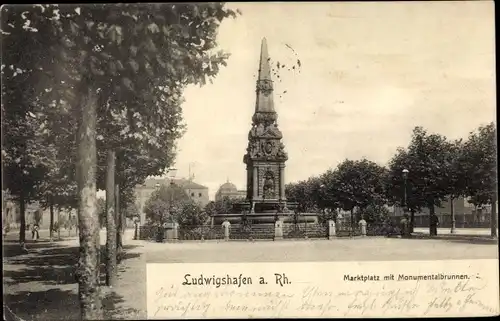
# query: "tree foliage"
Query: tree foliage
{"points": [[360, 184], [375, 214], [191, 215], [165, 203], [111, 73], [480, 165], [430, 160], [305, 194], [221, 206]]}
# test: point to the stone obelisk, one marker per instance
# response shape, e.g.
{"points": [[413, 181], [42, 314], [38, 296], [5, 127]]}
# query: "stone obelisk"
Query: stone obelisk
{"points": [[266, 156]]}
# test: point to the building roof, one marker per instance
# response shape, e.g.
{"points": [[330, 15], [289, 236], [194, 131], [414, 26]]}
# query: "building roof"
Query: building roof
{"points": [[227, 187], [184, 183]]}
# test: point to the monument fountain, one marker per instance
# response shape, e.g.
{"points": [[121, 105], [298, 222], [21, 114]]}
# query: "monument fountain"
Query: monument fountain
{"points": [[265, 162]]}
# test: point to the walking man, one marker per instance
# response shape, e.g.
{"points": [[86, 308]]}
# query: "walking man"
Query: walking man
{"points": [[434, 222]]}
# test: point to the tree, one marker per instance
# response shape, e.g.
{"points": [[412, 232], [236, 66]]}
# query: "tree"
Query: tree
{"points": [[163, 205], [480, 163], [99, 49], [191, 215], [305, 194], [24, 53], [328, 191], [58, 189], [101, 210], [221, 206], [375, 214], [427, 160], [110, 220], [395, 185], [360, 184]]}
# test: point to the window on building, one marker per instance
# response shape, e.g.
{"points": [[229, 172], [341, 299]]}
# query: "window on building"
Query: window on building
{"points": [[192, 194], [199, 194]]}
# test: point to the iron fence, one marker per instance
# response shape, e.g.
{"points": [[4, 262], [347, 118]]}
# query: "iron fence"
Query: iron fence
{"points": [[475, 220], [267, 231], [253, 232], [200, 232]]}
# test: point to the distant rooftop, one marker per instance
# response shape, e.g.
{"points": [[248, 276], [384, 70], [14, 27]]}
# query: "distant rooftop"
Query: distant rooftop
{"points": [[184, 183]]}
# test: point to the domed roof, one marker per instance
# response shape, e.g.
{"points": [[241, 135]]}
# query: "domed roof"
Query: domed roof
{"points": [[228, 187]]}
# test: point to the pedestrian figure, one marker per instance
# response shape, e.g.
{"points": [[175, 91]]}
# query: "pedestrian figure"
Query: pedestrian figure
{"points": [[434, 222], [405, 231], [6, 229], [34, 232], [362, 226]]}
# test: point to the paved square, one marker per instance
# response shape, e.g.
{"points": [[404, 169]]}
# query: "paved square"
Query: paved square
{"points": [[40, 285], [341, 249]]}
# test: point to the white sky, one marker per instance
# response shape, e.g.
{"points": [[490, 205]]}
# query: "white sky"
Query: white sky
{"points": [[370, 73]]}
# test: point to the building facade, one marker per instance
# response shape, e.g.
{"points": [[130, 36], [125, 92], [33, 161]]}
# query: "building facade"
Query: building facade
{"points": [[229, 190], [198, 193], [466, 214], [34, 214]]}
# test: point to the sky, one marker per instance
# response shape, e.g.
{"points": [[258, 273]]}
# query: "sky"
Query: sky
{"points": [[370, 73]]}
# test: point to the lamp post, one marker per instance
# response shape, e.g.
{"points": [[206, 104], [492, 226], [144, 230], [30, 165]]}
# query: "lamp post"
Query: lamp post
{"points": [[405, 179], [161, 229], [171, 173], [405, 199], [322, 194], [159, 236]]}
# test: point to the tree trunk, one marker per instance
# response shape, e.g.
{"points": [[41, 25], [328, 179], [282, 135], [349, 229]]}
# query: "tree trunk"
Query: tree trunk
{"points": [[59, 224], [51, 225], [88, 262], [493, 218], [412, 220], [452, 212], [119, 223], [431, 217], [352, 223], [110, 220], [22, 218]]}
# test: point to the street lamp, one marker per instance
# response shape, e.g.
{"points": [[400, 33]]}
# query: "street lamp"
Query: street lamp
{"points": [[161, 230], [405, 178], [322, 188], [171, 174], [405, 200]]}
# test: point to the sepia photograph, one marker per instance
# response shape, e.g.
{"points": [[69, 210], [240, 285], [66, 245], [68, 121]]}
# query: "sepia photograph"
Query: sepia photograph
{"points": [[249, 160]]}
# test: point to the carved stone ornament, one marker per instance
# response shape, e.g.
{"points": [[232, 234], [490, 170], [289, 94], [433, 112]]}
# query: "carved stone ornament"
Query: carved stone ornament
{"points": [[254, 149], [264, 118], [268, 147], [260, 131], [281, 151], [265, 86], [268, 187]]}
